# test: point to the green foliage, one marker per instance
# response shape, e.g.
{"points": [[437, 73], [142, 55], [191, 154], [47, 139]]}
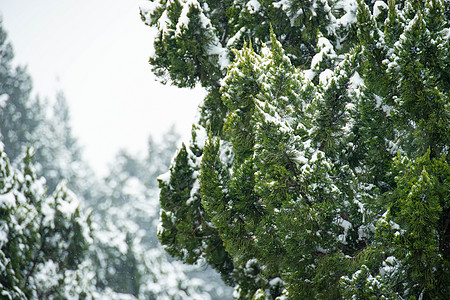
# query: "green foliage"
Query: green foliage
{"points": [[325, 170], [44, 239], [47, 250], [420, 208], [362, 285], [185, 227]]}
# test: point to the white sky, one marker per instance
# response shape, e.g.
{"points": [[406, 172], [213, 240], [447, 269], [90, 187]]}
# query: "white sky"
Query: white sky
{"points": [[96, 52]]}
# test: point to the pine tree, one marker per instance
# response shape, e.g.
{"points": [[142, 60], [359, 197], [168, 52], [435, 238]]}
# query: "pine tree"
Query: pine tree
{"points": [[189, 238], [299, 175], [59, 256], [44, 238], [195, 38], [411, 93], [25, 123], [18, 107]]}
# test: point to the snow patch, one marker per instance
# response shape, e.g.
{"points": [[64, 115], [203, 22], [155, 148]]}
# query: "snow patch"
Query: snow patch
{"points": [[222, 54], [235, 37], [309, 74], [326, 50], [3, 236], [164, 177], [378, 8], [7, 200], [68, 207], [195, 189], [163, 23], [148, 7], [356, 83], [325, 77], [384, 107], [253, 6], [346, 225], [3, 99], [350, 7], [276, 281]]}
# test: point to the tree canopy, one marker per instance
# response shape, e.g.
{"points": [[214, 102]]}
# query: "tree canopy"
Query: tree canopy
{"points": [[319, 167]]}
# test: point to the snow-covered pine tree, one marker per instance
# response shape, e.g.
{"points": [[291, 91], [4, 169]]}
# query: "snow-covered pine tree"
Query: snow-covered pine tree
{"points": [[320, 175], [411, 90], [20, 115], [58, 154], [30, 121], [44, 239], [129, 262], [185, 229], [120, 260], [195, 38]]}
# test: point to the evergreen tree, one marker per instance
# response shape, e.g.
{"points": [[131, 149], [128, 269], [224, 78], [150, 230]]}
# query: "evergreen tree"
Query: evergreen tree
{"points": [[20, 114], [44, 239], [320, 172], [47, 248], [30, 121], [128, 257]]}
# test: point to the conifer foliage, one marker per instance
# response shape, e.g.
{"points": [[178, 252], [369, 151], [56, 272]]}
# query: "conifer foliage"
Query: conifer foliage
{"points": [[324, 167], [44, 239]]}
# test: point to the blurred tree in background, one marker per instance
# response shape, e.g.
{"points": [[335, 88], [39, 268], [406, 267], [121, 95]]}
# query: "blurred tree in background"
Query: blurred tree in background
{"points": [[69, 234]]}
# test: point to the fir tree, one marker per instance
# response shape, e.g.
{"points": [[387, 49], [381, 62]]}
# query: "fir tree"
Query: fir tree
{"points": [[44, 238], [299, 175]]}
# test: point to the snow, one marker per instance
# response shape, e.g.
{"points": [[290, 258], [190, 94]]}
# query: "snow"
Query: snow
{"points": [[301, 159], [326, 49], [47, 275], [164, 177], [307, 144], [113, 238], [379, 103], [356, 83], [7, 200], [388, 266], [392, 147], [317, 154], [235, 37], [237, 292], [195, 189], [148, 7], [322, 250], [3, 236], [325, 77], [277, 120], [378, 7], [253, 6], [3, 99], [183, 20], [446, 33], [283, 4], [48, 213], [68, 207], [276, 281], [350, 7], [226, 152], [163, 23], [346, 225], [222, 54], [309, 74]]}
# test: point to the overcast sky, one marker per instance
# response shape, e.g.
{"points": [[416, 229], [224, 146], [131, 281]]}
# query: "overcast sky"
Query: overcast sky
{"points": [[96, 52]]}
